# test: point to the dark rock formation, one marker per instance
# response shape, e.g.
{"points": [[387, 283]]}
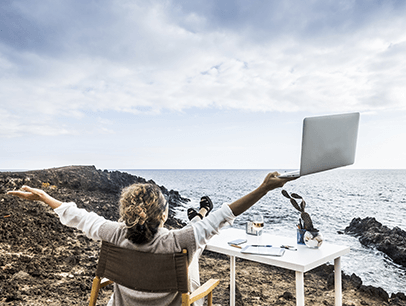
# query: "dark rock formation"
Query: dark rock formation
{"points": [[376, 292], [85, 178], [400, 296], [372, 233]]}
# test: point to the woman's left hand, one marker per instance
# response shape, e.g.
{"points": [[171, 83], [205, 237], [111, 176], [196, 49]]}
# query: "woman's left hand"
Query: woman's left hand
{"points": [[272, 181]]}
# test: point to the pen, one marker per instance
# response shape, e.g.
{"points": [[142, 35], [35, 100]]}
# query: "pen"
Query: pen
{"points": [[262, 245], [288, 247], [236, 246]]}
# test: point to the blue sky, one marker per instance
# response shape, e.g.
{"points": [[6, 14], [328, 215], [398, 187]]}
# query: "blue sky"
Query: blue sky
{"points": [[196, 84]]}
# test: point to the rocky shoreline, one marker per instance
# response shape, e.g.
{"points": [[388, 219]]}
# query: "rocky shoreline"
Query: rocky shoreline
{"points": [[45, 263], [372, 233]]}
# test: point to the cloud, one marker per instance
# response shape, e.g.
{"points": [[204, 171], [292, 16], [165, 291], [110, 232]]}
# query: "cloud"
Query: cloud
{"points": [[13, 126], [65, 59]]}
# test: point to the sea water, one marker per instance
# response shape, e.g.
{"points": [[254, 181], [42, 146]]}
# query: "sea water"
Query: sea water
{"points": [[333, 199]]}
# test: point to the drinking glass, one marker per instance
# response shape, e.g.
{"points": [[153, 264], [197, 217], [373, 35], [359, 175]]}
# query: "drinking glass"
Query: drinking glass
{"points": [[257, 226], [258, 221]]}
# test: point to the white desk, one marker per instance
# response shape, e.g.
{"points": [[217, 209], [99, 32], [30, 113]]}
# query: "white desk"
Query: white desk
{"points": [[300, 261]]}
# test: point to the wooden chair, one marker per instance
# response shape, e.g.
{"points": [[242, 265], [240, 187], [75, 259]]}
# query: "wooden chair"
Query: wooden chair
{"points": [[147, 272]]}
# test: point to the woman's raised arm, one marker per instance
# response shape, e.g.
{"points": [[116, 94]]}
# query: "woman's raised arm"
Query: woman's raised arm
{"points": [[270, 182]]}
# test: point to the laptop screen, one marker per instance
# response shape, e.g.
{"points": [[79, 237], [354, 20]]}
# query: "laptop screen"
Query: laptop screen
{"points": [[328, 142]]}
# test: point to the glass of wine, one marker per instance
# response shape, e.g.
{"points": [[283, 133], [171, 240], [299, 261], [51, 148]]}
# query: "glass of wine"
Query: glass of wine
{"points": [[258, 222], [257, 226]]}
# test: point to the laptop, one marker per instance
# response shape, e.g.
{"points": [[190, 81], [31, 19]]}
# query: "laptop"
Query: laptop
{"points": [[328, 142]]}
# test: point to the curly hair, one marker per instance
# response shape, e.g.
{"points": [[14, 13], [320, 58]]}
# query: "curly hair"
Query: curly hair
{"points": [[141, 209]]}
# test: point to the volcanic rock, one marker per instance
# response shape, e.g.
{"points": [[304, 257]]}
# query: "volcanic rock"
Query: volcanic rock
{"points": [[372, 233]]}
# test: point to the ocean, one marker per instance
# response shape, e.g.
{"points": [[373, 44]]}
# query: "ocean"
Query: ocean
{"points": [[333, 199]]}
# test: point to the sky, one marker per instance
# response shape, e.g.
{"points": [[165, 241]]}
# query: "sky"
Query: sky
{"points": [[197, 84]]}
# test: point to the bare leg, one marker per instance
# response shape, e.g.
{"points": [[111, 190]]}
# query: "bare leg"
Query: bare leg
{"points": [[197, 218], [203, 212]]}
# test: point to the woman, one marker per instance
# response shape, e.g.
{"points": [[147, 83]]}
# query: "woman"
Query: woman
{"points": [[143, 212]]}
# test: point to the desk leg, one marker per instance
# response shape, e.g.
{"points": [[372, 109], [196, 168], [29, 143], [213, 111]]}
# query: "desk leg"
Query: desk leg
{"points": [[299, 288], [232, 280], [337, 282]]}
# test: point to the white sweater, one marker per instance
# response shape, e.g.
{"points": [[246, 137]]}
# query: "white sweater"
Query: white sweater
{"points": [[193, 237]]}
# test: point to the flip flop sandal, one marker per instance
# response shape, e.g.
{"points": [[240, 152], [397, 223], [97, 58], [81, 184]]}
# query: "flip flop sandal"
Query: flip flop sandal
{"points": [[191, 213], [206, 203]]}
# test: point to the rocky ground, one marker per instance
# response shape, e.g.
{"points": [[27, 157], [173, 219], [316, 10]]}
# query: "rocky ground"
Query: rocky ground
{"points": [[45, 263]]}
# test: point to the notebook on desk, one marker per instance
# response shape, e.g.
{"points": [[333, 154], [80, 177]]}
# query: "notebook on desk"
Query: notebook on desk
{"points": [[328, 142], [263, 250]]}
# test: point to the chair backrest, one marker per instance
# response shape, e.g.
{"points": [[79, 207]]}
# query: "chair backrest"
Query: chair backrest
{"points": [[144, 271]]}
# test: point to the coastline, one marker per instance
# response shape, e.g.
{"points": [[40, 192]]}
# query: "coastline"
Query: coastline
{"points": [[32, 237]]}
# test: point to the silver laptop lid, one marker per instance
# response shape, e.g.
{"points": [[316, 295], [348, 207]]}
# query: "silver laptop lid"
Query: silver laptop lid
{"points": [[328, 142]]}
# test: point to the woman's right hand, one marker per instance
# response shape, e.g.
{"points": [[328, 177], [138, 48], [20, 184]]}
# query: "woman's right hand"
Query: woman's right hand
{"points": [[28, 193], [35, 194]]}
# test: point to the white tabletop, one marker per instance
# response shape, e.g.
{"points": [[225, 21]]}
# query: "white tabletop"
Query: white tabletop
{"points": [[302, 260]]}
